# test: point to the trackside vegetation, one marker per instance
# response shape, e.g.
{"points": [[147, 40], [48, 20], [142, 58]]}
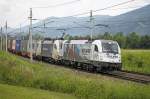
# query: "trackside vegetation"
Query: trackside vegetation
{"points": [[17, 71], [136, 60], [15, 92]]}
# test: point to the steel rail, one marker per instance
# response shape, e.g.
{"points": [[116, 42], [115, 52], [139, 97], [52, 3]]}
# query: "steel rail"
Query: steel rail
{"points": [[128, 75]]}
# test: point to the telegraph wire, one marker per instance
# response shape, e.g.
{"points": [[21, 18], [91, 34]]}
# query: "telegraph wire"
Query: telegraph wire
{"points": [[17, 28], [109, 7], [106, 8], [126, 8], [113, 21], [62, 4]]}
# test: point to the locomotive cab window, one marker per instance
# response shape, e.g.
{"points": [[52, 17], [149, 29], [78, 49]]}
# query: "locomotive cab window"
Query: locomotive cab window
{"points": [[96, 48], [61, 45]]}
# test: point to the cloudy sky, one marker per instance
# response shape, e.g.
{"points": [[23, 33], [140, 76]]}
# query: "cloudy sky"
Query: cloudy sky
{"points": [[16, 12]]}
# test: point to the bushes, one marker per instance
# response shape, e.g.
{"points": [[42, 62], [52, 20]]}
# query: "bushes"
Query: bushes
{"points": [[83, 85]]}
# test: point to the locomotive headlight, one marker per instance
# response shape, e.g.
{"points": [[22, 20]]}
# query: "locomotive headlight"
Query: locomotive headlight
{"points": [[119, 60], [100, 56]]}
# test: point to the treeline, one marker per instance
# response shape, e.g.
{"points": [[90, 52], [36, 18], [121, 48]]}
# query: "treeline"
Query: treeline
{"points": [[131, 41]]}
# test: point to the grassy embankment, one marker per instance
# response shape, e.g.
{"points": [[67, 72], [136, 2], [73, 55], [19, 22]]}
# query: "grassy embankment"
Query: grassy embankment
{"points": [[15, 92], [20, 72], [136, 60]]}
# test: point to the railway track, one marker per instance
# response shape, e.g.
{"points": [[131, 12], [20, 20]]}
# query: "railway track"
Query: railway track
{"points": [[135, 72], [128, 75]]}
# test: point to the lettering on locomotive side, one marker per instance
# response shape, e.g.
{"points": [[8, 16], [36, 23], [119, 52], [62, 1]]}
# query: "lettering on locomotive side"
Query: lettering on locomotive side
{"points": [[112, 56], [86, 51], [45, 49]]}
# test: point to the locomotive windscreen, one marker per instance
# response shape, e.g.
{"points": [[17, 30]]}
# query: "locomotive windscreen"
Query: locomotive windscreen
{"points": [[109, 47]]}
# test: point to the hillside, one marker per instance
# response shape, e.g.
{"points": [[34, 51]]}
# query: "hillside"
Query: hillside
{"points": [[134, 21]]}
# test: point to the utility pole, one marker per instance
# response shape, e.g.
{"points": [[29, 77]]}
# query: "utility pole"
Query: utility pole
{"points": [[44, 27], [20, 28], [30, 35], [1, 38], [91, 28], [91, 22], [20, 37], [6, 36]]}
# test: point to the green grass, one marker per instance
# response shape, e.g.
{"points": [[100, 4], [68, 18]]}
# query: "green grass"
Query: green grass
{"points": [[136, 60], [15, 92], [17, 71]]}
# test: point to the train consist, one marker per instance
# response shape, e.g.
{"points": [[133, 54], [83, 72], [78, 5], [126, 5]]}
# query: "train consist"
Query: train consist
{"points": [[90, 55]]}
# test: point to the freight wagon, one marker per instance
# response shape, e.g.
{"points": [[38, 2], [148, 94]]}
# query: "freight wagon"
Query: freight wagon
{"points": [[18, 47], [22, 47]]}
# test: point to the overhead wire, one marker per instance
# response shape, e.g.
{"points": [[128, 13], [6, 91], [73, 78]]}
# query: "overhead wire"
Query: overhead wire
{"points": [[112, 6], [102, 8], [145, 19], [16, 29], [61, 4], [106, 8], [123, 3]]}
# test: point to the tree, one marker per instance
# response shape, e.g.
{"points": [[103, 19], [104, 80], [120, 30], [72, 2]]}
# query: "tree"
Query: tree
{"points": [[107, 36], [37, 36], [68, 37], [121, 39], [145, 42], [133, 40]]}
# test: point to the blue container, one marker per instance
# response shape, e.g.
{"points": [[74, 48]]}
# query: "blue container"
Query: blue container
{"points": [[18, 45]]}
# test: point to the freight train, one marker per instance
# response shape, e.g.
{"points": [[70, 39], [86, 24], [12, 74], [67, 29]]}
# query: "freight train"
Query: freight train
{"points": [[94, 55]]}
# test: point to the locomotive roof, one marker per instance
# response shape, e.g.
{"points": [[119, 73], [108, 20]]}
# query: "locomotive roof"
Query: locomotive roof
{"points": [[87, 41], [78, 41], [48, 42], [107, 40]]}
